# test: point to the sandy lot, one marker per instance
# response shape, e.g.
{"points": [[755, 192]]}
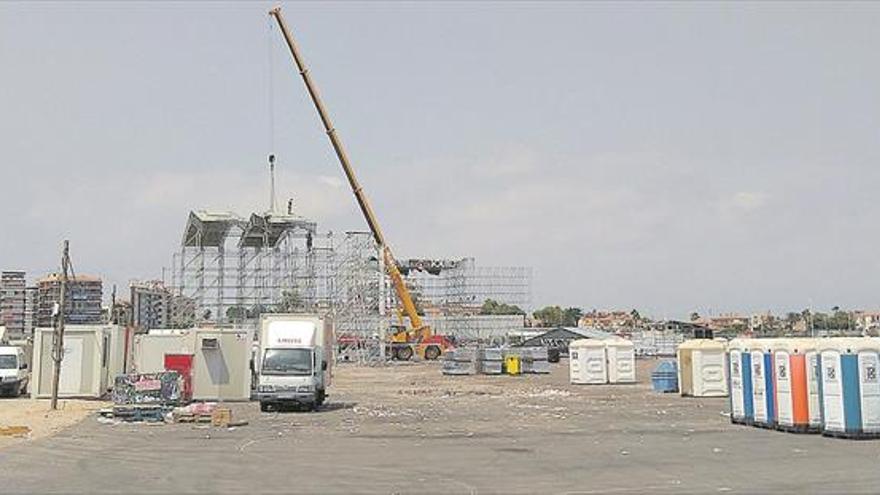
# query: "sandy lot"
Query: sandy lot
{"points": [[408, 429], [36, 415]]}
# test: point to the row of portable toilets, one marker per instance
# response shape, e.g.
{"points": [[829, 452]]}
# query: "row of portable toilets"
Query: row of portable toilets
{"points": [[827, 386]]}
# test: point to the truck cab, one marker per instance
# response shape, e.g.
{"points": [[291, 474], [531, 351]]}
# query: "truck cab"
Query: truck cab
{"points": [[292, 363], [14, 373]]}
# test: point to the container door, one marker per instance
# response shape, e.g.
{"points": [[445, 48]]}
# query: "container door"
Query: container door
{"points": [[713, 381], [832, 391], [870, 386], [686, 371], [747, 392], [183, 364], [785, 412], [595, 367], [759, 387], [70, 381], [736, 391], [626, 366], [814, 381], [574, 366]]}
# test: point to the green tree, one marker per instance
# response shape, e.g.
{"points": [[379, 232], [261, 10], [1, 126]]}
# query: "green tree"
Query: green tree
{"points": [[571, 316], [236, 313], [290, 303], [550, 316], [493, 307]]}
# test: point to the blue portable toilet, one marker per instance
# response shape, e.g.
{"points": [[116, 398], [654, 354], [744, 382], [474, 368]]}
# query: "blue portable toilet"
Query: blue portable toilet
{"points": [[763, 385], [850, 387], [665, 377], [739, 360]]}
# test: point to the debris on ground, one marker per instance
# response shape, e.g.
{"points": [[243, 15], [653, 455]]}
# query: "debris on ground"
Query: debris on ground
{"points": [[14, 431]]}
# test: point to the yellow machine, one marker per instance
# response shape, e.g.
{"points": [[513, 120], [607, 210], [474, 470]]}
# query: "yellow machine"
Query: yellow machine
{"points": [[403, 342]]}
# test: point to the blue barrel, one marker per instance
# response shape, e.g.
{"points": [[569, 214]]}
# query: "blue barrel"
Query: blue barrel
{"points": [[665, 377]]}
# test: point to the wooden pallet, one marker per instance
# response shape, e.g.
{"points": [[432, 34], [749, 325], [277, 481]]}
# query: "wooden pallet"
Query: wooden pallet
{"points": [[139, 413]]}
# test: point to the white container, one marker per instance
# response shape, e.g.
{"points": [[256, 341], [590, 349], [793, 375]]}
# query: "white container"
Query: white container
{"points": [[85, 367], [702, 368], [850, 387], [221, 364], [587, 362], [621, 361], [150, 349]]}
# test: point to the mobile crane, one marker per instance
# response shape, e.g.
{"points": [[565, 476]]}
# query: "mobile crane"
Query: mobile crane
{"points": [[404, 341]]}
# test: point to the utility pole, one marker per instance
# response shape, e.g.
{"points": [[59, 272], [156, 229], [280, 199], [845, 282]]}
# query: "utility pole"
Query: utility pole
{"points": [[58, 354]]}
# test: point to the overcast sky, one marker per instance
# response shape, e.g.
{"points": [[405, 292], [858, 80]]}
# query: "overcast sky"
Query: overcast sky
{"points": [[670, 157]]}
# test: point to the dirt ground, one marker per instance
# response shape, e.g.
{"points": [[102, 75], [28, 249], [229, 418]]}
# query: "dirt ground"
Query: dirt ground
{"points": [[42, 422], [408, 429]]}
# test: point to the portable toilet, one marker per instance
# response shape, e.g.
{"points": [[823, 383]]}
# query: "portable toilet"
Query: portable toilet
{"points": [[790, 372], [621, 360], [763, 390], [701, 368], [586, 361], [814, 384], [850, 387], [739, 358]]}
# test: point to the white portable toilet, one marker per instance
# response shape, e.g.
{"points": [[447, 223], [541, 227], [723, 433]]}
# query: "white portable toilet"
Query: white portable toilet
{"points": [[702, 370], [587, 363], [850, 387], [814, 383], [621, 357], [739, 360], [763, 395], [791, 377]]}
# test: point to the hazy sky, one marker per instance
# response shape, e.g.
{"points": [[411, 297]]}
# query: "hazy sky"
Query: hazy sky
{"points": [[666, 156]]}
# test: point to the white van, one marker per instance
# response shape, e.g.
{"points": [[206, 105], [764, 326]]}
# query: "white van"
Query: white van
{"points": [[14, 373], [293, 365]]}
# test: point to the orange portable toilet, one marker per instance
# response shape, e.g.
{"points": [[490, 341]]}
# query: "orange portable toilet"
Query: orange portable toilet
{"points": [[790, 372]]}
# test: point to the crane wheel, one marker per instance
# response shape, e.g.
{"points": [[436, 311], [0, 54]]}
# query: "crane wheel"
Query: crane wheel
{"points": [[432, 352], [404, 353]]}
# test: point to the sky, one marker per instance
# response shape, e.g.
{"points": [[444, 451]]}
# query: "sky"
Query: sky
{"points": [[670, 157]]}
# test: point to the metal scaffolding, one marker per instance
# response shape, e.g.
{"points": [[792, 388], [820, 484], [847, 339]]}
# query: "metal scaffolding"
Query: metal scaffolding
{"points": [[234, 268]]}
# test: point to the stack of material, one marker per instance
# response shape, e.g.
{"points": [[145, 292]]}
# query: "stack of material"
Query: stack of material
{"points": [[534, 360], [460, 361], [491, 361], [162, 389], [146, 397]]}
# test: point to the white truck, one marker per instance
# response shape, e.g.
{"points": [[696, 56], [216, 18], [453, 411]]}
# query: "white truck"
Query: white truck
{"points": [[293, 361], [14, 373]]}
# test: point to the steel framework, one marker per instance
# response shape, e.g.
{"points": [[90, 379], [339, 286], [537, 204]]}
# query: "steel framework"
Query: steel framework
{"points": [[234, 268]]}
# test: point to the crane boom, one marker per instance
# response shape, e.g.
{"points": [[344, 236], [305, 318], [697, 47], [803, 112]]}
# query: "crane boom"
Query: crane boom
{"points": [[419, 329]]}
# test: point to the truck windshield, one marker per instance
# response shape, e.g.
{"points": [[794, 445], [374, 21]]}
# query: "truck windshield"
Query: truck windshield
{"points": [[287, 362], [8, 362]]}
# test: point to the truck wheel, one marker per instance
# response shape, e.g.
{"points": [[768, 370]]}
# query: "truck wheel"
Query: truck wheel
{"points": [[404, 353], [265, 407], [432, 352], [319, 399]]}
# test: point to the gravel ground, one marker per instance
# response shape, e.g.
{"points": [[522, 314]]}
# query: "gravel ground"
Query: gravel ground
{"points": [[36, 415], [408, 429]]}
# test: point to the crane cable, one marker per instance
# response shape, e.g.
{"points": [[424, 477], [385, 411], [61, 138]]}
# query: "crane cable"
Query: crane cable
{"points": [[270, 86]]}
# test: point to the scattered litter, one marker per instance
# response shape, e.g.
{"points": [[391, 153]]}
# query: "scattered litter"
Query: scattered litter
{"points": [[716, 450], [14, 431], [624, 452]]}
